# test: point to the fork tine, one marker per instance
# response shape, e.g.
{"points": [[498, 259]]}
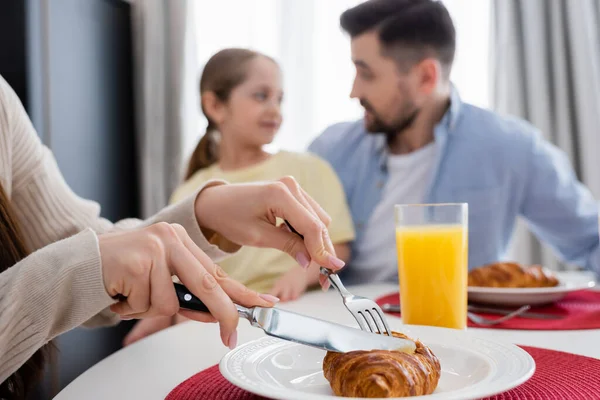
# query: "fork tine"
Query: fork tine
{"points": [[361, 321], [362, 313], [383, 321], [377, 325]]}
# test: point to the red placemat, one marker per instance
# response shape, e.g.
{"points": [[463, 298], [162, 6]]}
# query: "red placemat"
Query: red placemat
{"points": [[580, 310], [557, 376], [209, 384]]}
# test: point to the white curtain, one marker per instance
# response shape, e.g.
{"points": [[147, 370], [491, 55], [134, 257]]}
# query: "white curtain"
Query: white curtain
{"points": [[166, 103], [304, 36], [546, 69]]}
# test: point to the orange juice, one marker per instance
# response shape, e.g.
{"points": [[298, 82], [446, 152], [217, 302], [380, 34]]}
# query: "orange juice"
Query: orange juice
{"points": [[432, 268]]}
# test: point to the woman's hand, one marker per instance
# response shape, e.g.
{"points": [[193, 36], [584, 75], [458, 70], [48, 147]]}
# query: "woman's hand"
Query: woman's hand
{"points": [[138, 267], [246, 214]]}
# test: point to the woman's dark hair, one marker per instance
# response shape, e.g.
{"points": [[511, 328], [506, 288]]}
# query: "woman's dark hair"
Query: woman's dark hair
{"points": [[13, 249], [409, 30], [223, 72]]}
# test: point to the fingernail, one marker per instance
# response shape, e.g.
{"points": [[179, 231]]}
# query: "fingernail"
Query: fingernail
{"points": [[269, 298], [326, 286], [232, 340], [302, 260], [336, 262]]}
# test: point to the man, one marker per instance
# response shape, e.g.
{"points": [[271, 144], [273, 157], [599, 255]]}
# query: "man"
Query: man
{"points": [[418, 143]]}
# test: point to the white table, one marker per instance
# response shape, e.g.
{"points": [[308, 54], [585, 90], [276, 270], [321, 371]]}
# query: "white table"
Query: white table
{"points": [[151, 368]]}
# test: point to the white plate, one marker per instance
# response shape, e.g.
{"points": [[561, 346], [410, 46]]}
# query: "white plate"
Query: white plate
{"points": [[471, 367], [522, 296]]}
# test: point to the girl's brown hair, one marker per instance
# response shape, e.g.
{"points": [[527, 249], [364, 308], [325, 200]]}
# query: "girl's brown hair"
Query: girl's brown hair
{"points": [[12, 250], [223, 72]]}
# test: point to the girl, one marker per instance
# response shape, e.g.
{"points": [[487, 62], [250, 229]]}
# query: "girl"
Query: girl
{"points": [[241, 98]]}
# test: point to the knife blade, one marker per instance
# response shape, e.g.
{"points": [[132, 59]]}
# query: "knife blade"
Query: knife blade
{"points": [[303, 329], [486, 310]]}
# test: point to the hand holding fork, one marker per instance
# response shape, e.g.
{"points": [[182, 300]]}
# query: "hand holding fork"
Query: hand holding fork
{"points": [[366, 312]]}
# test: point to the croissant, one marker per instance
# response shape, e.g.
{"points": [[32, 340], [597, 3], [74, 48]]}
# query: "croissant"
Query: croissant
{"points": [[511, 275], [383, 373]]}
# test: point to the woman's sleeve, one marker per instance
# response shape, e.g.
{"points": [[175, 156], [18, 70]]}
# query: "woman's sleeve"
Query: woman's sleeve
{"points": [[51, 291]]}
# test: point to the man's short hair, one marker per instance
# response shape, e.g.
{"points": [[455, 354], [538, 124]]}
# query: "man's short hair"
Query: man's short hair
{"points": [[409, 30]]}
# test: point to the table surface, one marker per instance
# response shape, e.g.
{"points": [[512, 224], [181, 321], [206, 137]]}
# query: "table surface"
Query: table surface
{"points": [[152, 367]]}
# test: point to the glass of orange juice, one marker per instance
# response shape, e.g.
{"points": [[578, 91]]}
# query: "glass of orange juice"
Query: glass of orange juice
{"points": [[432, 246]]}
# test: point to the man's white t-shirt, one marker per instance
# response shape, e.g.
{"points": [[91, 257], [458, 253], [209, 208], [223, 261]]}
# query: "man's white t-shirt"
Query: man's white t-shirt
{"points": [[408, 178]]}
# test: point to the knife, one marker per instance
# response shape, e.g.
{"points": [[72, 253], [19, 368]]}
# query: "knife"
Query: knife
{"points": [[302, 329], [487, 310]]}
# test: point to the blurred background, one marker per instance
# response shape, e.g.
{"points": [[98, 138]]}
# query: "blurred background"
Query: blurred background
{"points": [[112, 88]]}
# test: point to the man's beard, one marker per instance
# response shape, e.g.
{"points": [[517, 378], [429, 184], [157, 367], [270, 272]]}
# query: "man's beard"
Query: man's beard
{"points": [[406, 117]]}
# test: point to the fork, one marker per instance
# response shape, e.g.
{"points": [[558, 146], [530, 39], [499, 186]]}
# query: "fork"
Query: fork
{"points": [[488, 321], [365, 311], [472, 316]]}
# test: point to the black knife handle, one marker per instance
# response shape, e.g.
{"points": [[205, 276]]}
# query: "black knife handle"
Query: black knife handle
{"points": [[188, 300]]}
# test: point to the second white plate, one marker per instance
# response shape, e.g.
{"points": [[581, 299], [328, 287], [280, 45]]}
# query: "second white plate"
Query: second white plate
{"points": [[522, 296]]}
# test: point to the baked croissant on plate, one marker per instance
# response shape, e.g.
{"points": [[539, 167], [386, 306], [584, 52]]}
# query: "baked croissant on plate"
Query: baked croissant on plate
{"points": [[511, 275], [383, 373]]}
